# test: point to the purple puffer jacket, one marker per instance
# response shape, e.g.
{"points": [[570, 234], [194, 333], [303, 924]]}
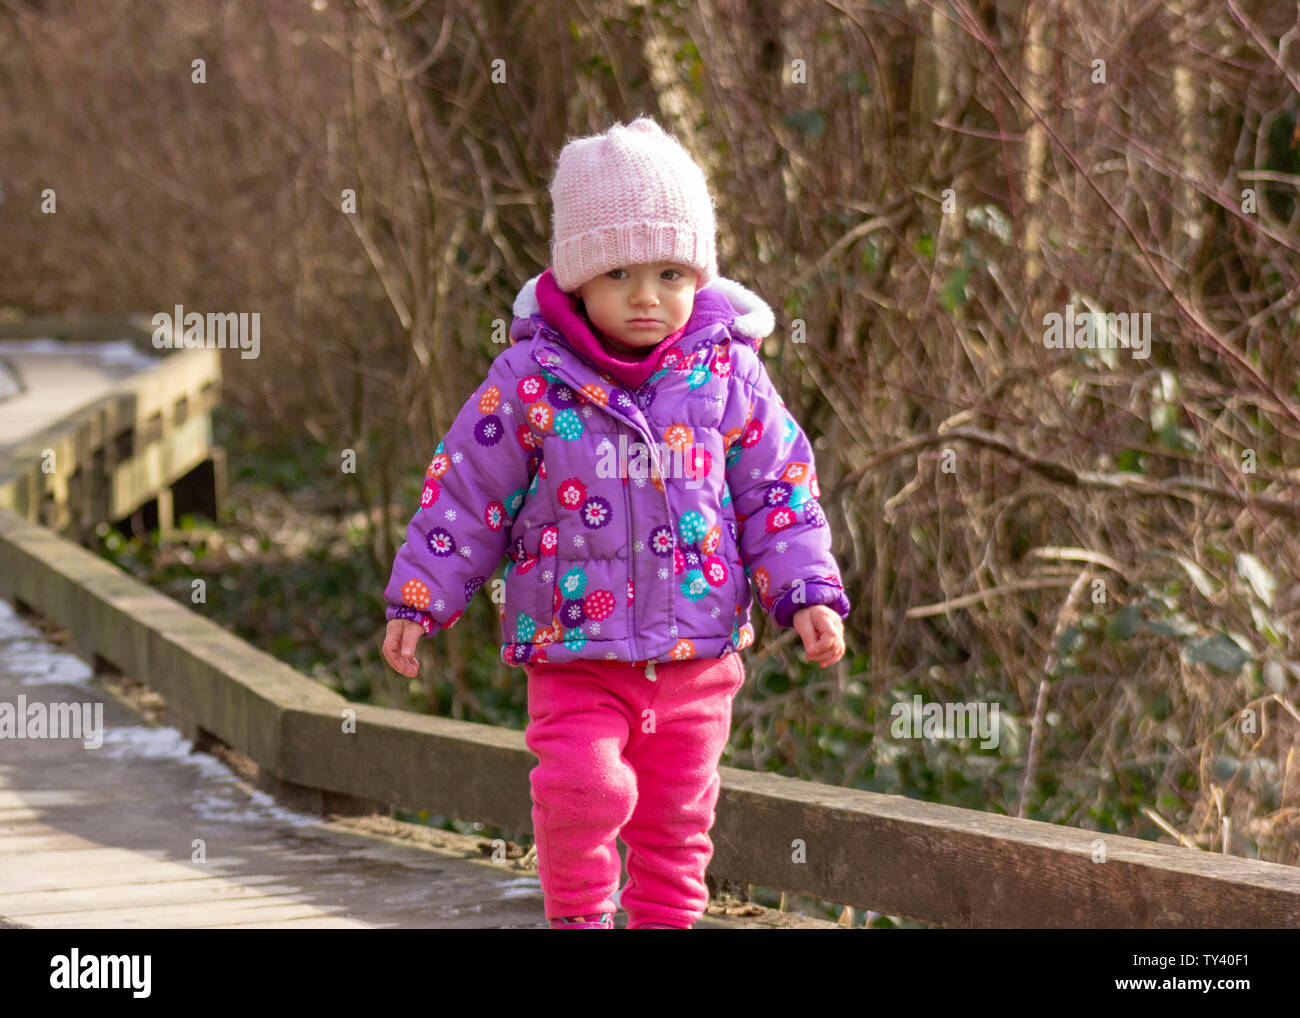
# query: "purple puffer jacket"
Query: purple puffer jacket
{"points": [[632, 522]]}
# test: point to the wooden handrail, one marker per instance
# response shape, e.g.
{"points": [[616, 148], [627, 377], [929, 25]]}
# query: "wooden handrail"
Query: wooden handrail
{"points": [[121, 450]]}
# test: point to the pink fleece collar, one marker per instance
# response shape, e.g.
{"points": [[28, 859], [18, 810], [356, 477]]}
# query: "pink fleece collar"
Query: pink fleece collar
{"points": [[560, 310]]}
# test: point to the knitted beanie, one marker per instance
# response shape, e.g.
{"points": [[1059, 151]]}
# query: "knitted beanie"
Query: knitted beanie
{"points": [[626, 197]]}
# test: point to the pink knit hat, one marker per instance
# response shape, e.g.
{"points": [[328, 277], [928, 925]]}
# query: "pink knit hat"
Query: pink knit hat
{"points": [[629, 196]]}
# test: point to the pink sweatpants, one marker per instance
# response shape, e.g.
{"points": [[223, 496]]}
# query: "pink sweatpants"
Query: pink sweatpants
{"points": [[621, 754]]}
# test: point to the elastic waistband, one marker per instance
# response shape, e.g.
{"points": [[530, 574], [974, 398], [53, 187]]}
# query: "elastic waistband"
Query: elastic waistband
{"points": [[648, 669]]}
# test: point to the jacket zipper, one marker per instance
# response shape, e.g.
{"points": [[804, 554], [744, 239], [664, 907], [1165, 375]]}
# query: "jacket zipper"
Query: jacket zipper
{"points": [[654, 454]]}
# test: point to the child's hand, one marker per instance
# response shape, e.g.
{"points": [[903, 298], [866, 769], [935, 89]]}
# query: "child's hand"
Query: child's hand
{"points": [[399, 645], [823, 633]]}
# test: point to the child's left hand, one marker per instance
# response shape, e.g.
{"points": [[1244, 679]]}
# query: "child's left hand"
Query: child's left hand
{"points": [[822, 630]]}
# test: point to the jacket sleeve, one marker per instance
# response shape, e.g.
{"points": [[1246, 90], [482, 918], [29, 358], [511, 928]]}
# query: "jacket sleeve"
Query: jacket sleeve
{"points": [[473, 488], [784, 539]]}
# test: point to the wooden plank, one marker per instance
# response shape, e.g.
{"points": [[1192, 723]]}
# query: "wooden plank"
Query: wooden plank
{"points": [[19, 814], [37, 872], [175, 917], [57, 841], [99, 873], [46, 797], [108, 885], [456, 887], [490, 916], [306, 923], [21, 905]]}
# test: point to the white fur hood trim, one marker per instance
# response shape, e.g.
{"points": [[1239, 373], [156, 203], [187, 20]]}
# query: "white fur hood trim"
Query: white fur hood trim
{"points": [[754, 318]]}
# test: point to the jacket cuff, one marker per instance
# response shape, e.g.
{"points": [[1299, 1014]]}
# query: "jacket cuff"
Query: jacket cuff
{"points": [[814, 592], [405, 611]]}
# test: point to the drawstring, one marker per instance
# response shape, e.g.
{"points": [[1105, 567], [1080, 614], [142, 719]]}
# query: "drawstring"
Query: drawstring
{"points": [[650, 671]]}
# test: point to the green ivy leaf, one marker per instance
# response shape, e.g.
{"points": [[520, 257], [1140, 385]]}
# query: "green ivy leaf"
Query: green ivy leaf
{"points": [[811, 122], [1124, 623], [954, 291], [1220, 652], [1226, 767], [1130, 461], [1071, 640]]}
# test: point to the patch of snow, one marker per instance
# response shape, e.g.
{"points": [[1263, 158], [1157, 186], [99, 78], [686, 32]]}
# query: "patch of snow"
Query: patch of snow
{"points": [[13, 626], [140, 742], [520, 887], [121, 352], [36, 662]]}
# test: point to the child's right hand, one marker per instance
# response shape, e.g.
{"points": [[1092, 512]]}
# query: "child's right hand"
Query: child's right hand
{"points": [[400, 640]]}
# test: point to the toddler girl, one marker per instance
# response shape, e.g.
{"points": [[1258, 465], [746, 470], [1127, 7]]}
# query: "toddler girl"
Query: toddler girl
{"points": [[630, 457]]}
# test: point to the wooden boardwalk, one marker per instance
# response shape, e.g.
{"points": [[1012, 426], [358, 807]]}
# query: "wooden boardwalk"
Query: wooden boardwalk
{"points": [[42, 381], [105, 837]]}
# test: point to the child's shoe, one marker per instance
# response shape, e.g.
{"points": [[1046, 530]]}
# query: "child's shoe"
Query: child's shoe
{"points": [[595, 921], [659, 926]]}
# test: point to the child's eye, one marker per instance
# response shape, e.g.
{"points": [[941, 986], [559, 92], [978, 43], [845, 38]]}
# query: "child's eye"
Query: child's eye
{"points": [[612, 273]]}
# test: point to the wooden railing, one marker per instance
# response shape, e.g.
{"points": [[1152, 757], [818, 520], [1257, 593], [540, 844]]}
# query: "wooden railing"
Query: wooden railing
{"points": [[147, 443]]}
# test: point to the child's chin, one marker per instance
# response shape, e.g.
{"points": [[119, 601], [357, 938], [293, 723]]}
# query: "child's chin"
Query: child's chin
{"points": [[637, 349]]}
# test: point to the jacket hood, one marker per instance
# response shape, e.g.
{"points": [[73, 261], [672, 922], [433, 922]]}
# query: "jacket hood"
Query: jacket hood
{"points": [[744, 313]]}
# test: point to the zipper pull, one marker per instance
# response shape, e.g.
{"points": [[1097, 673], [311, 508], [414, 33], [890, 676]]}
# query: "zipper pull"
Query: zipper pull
{"points": [[650, 671]]}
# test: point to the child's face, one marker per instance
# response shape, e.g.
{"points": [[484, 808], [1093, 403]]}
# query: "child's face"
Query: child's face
{"points": [[662, 291]]}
